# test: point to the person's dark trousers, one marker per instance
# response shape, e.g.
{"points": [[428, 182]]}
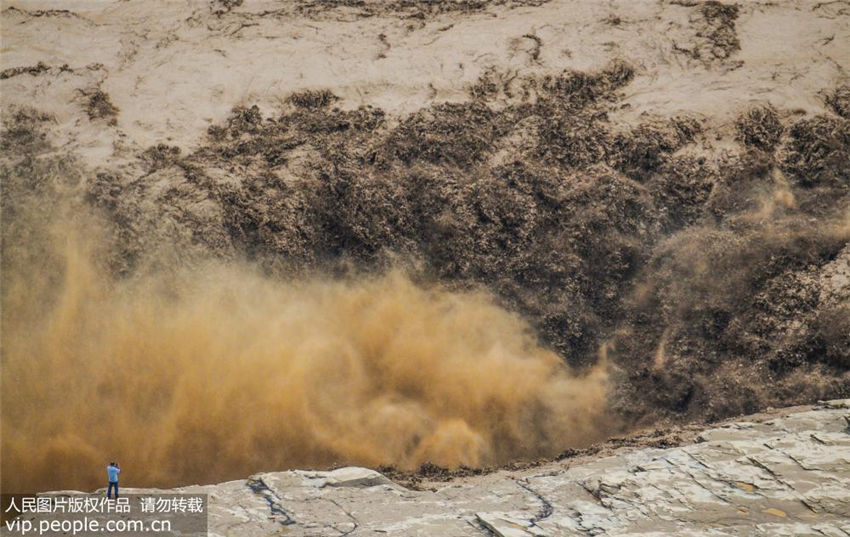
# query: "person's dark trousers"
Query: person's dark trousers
{"points": [[109, 490]]}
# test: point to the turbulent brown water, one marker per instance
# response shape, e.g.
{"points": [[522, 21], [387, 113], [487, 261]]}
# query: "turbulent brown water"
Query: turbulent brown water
{"points": [[323, 286]]}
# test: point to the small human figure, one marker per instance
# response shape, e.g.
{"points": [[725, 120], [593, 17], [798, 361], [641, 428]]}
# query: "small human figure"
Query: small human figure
{"points": [[112, 471]]}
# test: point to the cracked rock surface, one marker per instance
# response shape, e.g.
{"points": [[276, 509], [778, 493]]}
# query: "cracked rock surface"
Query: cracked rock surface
{"points": [[782, 473]]}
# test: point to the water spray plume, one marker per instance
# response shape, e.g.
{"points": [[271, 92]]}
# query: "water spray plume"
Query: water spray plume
{"points": [[217, 372]]}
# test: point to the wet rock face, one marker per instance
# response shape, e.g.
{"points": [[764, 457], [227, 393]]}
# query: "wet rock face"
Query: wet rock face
{"points": [[786, 474], [782, 473]]}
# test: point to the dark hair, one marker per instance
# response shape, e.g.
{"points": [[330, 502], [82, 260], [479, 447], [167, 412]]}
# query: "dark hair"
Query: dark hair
{"points": [[112, 463]]}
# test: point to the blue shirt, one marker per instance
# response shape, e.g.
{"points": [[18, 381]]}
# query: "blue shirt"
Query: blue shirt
{"points": [[113, 472]]}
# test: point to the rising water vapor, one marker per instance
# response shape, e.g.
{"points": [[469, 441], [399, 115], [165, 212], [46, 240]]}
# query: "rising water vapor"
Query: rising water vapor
{"points": [[216, 372]]}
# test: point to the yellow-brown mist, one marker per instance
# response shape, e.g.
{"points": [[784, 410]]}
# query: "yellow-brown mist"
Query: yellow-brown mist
{"points": [[214, 373]]}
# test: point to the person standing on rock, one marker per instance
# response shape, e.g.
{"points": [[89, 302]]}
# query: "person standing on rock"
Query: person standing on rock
{"points": [[112, 471]]}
